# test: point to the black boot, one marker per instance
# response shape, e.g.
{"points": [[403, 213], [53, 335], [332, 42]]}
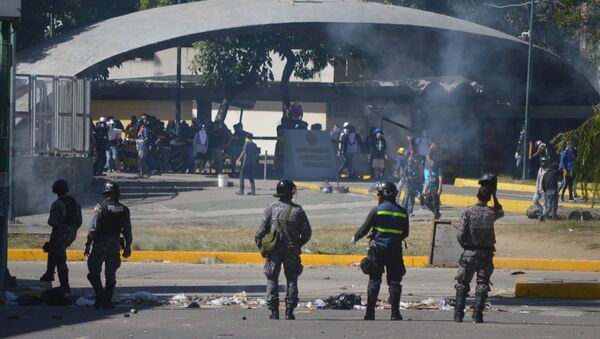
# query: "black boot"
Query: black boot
{"points": [[48, 276], [459, 308], [98, 290], [274, 314], [371, 304], [63, 277], [289, 313], [395, 301], [479, 307], [108, 294]]}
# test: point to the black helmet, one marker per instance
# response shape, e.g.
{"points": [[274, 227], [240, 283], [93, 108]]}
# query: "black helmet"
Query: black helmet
{"points": [[387, 189], [111, 187], [490, 180], [285, 188], [60, 186]]}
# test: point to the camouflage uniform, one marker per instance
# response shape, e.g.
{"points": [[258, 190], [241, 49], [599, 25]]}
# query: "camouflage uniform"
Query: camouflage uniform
{"points": [[65, 219], [476, 235], [292, 237], [110, 220]]}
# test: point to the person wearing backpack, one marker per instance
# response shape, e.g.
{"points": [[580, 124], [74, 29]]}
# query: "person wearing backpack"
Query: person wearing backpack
{"points": [[282, 233], [65, 219]]}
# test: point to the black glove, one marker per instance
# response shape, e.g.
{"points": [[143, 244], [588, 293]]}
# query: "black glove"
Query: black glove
{"points": [[46, 247]]}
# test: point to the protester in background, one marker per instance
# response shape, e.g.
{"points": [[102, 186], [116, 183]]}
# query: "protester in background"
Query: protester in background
{"points": [[378, 155], [539, 192], [541, 150], [247, 162], [519, 150], [335, 136], [236, 144], [142, 144], [413, 184], [434, 153], [101, 139], [400, 169], [217, 140], [350, 142], [422, 143], [567, 164], [112, 149], [201, 148], [432, 189], [296, 111], [550, 188]]}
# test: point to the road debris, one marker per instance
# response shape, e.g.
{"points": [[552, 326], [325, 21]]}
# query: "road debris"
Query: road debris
{"points": [[344, 301], [83, 301], [517, 273], [437, 303]]}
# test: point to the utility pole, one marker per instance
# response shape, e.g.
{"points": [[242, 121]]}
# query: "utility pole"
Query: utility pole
{"points": [[178, 95], [527, 94], [5, 102]]}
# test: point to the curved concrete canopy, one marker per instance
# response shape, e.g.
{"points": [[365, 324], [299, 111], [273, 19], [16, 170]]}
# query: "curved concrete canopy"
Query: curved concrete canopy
{"points": [[455, 46]]}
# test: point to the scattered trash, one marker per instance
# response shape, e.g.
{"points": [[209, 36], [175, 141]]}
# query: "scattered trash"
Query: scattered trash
{"points": [[126, 315], [524, 312], [360, 307], [517, 273], [502, 310], [438, 303], [83, 301], [344, 301], [316, 304], [133, 310], [179, 298], [327, 278], [55, 297], [306, 250], [144, 297], [261, 302], [210, 261], [193, 304], [243, 318]]}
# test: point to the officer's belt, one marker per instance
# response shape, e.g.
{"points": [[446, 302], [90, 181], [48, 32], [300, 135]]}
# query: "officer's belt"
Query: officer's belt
{"points": [[387, 230]]}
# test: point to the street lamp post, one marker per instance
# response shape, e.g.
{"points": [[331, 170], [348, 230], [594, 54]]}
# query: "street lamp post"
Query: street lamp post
{"points": [[527, 94], [178, 95]]}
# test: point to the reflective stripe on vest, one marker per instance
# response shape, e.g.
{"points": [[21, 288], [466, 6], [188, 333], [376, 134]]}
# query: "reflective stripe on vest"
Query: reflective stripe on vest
{"points": [[387, 230], [394, 214]]}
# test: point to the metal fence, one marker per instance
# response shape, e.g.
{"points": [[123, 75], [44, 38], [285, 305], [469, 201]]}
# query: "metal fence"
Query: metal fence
{"points": [[52, 115]]}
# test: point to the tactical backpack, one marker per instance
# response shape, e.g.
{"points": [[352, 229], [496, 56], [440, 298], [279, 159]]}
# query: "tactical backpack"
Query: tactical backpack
{"points": [[270, 241]]}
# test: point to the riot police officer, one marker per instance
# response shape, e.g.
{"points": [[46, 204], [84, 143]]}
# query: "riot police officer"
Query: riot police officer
{"points": [[477, 238], [65, 219], [388, 223], [110, 221], [294, 231]]}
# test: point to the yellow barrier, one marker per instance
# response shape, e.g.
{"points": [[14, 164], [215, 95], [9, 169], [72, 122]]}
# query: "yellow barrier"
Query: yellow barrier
{"points": [[502, 186], [309, 259], [543, 289]]}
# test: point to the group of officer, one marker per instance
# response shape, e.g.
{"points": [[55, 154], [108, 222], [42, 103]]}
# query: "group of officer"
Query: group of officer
{"points": [[387, 225], [109, 222]]}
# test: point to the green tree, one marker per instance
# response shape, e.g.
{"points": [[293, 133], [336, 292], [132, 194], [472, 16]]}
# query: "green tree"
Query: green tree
{"points": [[587, 165], [232, 64], [147, 4], [304, 56]]}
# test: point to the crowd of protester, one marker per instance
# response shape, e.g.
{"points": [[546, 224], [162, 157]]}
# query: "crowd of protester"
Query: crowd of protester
{"points": [[149, 146]]}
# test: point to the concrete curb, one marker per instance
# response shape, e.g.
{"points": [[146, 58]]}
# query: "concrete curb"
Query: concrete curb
{"points": [[557, 289], [309, 259], [511, 206], [461, 182]]}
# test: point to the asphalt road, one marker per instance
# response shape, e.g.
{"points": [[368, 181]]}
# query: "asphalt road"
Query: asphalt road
{"points": [[508, 317]]}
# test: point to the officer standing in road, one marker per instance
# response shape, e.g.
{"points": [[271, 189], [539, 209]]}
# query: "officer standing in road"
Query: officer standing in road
{"points": [[110, 221], [65, 219], [388, 222], [477, 238], [293, 227]]}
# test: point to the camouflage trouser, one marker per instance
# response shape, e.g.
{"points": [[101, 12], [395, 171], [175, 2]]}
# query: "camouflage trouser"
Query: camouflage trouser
{"points": [[107, 252], [471, 262], [292, 268]]}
